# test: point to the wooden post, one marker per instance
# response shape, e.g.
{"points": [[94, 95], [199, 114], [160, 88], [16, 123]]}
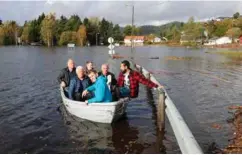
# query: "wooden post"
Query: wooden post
{"points": [[148, 76], [161, 111], [141, 70]]}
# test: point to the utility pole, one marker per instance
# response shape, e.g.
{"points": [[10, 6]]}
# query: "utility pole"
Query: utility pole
{"points": [[96, 38], [132, 32]]}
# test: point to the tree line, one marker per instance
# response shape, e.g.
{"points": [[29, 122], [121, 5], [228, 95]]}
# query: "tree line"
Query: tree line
{"points": [[50, 31], [191, 30]]}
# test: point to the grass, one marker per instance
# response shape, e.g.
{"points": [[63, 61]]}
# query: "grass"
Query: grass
{"points": [[234, 55]]}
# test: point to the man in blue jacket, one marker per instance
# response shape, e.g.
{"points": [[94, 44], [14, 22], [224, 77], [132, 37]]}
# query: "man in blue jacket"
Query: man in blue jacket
{"points": [[99, 88], [78, 84]]}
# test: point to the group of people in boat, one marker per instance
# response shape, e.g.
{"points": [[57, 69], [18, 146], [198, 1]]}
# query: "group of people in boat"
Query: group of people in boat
{"points": [[86, 84]]}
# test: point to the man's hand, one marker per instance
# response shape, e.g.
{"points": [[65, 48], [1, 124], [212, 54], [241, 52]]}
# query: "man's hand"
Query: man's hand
{"points": [[84, 93], [63, 84], [160, 87]]}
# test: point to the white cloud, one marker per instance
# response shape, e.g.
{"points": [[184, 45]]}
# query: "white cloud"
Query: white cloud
{"points": [[146, 12]]}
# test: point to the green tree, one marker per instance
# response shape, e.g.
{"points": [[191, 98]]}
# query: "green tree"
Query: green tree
{"points": [[68, 37], [222, 27], [85, 21], [34, 31], [48, 29], [82, 35], [73, 23], [117, 35], [192, 30], [176, 34], [236, 15], [93, 30], [60, 27], [128, 30], [104, 27]]}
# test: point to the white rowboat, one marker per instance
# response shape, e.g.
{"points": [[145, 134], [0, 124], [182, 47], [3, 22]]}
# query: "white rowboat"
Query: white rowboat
{"points": [[96, 112]]}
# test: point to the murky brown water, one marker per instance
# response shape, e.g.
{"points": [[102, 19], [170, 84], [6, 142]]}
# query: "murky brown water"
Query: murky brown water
{"points": [[33, 120]]}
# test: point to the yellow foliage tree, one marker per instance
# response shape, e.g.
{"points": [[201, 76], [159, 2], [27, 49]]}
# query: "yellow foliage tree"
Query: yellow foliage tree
{"points": [[81, 35], [48, 29], [1, 35], [10, 32], [25, 34], [68, 37]]}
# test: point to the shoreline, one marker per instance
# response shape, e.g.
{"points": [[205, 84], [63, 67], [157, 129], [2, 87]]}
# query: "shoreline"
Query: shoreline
{"points": [[223, 46]]}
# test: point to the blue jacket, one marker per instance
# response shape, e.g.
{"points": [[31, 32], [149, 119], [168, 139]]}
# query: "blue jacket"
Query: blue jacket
{"points": [[77, 86], [101, 91]]}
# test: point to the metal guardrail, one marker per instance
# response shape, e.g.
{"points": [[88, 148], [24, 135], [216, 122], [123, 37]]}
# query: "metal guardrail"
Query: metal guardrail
{"points": [[184, 136]]}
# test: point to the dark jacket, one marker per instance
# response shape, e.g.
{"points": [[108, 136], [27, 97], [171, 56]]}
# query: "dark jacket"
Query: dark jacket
{"points": [[66, 76], [113, 79], [135, 78], [78, 86]]}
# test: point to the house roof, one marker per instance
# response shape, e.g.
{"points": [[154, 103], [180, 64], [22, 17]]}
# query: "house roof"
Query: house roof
{"points": [[135, 37]]}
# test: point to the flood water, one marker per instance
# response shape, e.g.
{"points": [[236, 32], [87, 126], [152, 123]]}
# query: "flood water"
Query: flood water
{"points": [[33, 120]]}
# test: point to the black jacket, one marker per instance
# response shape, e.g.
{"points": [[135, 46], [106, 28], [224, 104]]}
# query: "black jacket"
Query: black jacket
{"points": [[66, 76]]}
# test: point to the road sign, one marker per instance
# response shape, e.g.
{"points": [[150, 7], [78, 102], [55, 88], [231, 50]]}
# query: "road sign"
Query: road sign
{"points": [[111, 46], [111, 52], [110, 40]]}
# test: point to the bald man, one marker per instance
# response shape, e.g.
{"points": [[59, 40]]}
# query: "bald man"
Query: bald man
{"points": [[67, 74], [111, 80]]}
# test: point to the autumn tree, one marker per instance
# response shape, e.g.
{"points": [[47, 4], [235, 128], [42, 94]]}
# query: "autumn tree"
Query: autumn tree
{"points": [[48, 29], [81, 35], [10, 32], [25, 37], [68, 37], [234, 32], [1, 35]]}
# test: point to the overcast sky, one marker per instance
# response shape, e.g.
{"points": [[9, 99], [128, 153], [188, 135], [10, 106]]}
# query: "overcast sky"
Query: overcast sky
{"points": [[146, 12]]}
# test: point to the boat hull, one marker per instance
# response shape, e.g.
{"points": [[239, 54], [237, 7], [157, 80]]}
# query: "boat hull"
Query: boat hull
{"points": [[96, 112]]}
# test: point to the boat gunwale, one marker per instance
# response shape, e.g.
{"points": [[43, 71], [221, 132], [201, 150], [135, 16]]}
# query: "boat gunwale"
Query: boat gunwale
{"points": [[115, 103]]}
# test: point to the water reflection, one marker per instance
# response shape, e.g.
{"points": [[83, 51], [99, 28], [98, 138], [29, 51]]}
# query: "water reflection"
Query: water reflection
{"points": [[93, 137]]}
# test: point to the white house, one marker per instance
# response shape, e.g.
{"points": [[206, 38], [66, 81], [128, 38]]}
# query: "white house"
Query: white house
{"points": [[157, 40], [219, 41], [137, 40]]}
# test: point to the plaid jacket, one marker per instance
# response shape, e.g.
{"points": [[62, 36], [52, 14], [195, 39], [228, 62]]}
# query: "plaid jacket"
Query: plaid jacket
{"points": [[135, 78]]}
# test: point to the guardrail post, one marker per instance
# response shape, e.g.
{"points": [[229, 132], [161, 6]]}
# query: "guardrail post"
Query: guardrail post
{"points": [[141, 70], [161, 111]]}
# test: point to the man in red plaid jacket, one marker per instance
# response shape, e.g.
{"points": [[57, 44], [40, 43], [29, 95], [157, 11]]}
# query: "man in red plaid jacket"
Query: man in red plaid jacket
{"points": [[129, 80]]}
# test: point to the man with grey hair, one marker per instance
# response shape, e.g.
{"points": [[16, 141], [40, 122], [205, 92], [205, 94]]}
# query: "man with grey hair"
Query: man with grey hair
{"points": [[78, 85]]}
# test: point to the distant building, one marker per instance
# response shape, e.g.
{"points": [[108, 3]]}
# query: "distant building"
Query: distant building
{"points": [[219, 41], [240, 39], [211, 41], [221, 18], [157, 40], [137, 40]]}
